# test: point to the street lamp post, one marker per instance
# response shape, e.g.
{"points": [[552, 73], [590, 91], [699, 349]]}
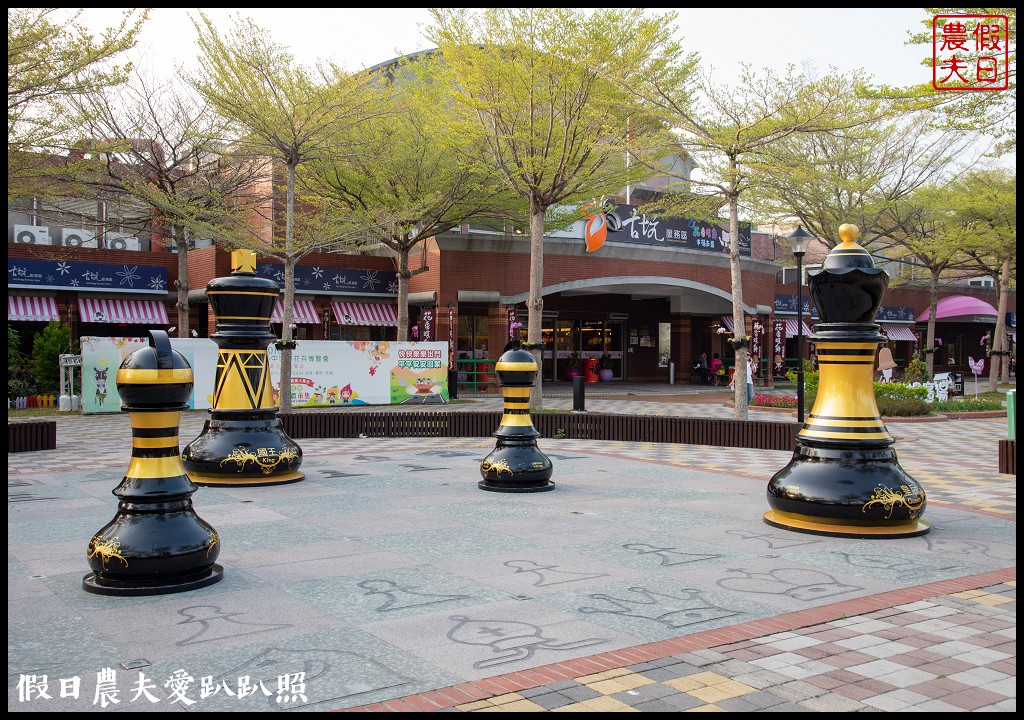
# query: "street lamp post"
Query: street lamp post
{"points": [[799, 239]]}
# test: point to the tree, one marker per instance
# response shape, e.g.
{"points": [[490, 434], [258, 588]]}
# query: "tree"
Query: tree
{"points": [[986, 204], [732, 134], [920, 230], [534, 86], [285, 116], [855, 175], [156, 151], [49, 61], [47, 347], [405, 180]]}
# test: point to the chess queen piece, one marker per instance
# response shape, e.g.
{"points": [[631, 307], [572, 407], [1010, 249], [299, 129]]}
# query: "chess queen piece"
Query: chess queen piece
{"points": [[156, 543], [516, 465], [844, 478], [244, 442]]}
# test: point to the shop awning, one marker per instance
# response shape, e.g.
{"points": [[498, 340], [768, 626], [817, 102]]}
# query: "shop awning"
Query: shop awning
{"points": [[28, 308], [136, 312], [354, 313], [791, 328], [899, 333], [961, 308], [727, 321], [303, 312]]}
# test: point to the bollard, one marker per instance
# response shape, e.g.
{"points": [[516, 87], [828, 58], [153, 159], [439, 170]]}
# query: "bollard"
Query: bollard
{"points": [[516, 465], [1011, 414], [671, 373], [156, 543], [844, 479], [453, 385], [579, 392]]}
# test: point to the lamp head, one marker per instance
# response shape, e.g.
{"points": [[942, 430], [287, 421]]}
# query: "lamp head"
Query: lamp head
{"points": [[799, 239]]}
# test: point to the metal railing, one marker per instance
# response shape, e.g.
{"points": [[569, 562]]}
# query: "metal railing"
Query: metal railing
{"points": [[476, 376]]}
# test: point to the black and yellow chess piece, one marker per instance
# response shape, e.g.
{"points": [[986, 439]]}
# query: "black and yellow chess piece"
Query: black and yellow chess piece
{"points": [[243, 443], [844, 478], [156, 543], [516, 465]]}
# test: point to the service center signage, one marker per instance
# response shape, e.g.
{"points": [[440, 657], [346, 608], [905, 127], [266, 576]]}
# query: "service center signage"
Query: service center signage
{"points": [[632, 225]]}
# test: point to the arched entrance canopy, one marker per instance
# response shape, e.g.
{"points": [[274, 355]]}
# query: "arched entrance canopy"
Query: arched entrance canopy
{"points": [[685, 295]]}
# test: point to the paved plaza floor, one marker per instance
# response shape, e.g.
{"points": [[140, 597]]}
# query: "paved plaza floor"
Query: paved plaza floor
{"points": [[646, 580]]}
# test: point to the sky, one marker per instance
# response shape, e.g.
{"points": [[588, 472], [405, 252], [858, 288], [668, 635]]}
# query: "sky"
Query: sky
{"points": [[867, 41]]}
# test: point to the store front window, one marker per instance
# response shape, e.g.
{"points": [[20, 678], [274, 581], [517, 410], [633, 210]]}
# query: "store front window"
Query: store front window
{"points": [[472, 342]]}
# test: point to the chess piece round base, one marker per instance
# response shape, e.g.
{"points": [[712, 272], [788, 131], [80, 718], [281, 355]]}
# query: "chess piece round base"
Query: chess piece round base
{"points": [[825, 526], [516, 466], [232, 481], [247, 451], [98, 585]]}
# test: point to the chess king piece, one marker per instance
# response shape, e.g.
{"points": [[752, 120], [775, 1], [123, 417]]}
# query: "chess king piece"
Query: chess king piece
{"points": [[243, 442], [844, 478], [516, 465], [156, 543]]}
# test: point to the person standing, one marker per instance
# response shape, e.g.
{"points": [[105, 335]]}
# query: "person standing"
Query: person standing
{"points": [[750, 381], [716, 364]]}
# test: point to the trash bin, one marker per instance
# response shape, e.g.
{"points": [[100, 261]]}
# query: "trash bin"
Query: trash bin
{"points": [[590, 370]]}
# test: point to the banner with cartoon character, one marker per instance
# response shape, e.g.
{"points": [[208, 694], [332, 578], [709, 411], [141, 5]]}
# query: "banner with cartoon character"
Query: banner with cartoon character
{"points": [[102, 356], [324, 373], [338, 373]]}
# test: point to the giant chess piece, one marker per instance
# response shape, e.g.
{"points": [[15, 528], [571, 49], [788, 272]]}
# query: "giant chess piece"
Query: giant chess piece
{"points": [[516, 465], [155, 544], [844, 478], [243, 442]]}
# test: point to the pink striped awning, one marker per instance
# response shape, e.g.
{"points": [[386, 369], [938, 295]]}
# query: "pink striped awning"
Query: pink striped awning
{"points": [[136, 312], [900, 333], [355, 313], [727, 321], [303, 312], [791, 328], [28, 308]]}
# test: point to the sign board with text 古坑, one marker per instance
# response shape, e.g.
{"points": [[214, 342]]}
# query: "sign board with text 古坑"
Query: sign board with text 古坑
{"points": [[324, 373], [59, 275], [649, 228], [325, 280]]}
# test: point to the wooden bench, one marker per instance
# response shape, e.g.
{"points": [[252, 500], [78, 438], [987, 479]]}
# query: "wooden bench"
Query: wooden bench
{"points": [[30, 435]]}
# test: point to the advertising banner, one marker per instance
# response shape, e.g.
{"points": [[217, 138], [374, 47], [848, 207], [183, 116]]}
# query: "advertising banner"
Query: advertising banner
{"points": [[324, 373]]}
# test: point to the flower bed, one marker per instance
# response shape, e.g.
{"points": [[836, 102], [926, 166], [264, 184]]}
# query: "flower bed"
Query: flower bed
{"points": [[773, 401]]}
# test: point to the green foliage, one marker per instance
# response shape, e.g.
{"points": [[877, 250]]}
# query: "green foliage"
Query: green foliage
{"points": [[19, 380], [560, 434], [574, 360], [47, 347], [899, 391], [52, 58], [966, 405], [906, 407], [604, 362], [916, 370]]}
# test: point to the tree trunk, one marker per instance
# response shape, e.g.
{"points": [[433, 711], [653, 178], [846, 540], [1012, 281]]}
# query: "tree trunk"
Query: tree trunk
{"points": [[535, 302], [736, 278], [183, 287], [289, 293], [403, 292], [933, 304], [999, 364], [286, 331]]}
